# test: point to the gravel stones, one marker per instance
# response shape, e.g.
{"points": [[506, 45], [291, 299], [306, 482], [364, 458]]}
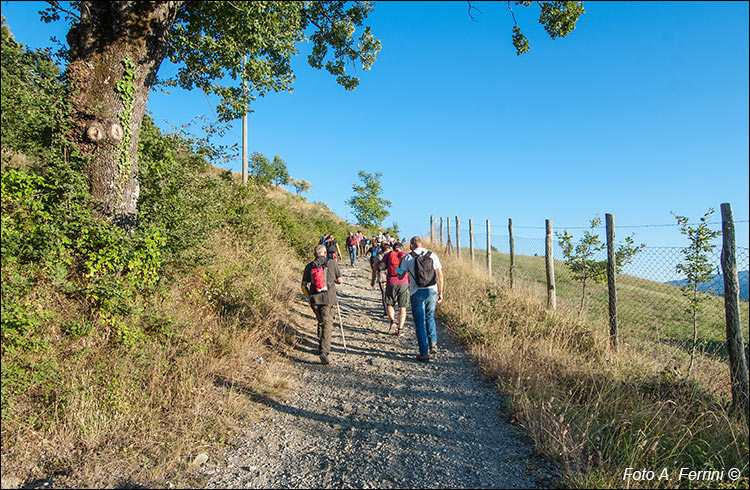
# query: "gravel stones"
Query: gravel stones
{"points": [[377, 418]]}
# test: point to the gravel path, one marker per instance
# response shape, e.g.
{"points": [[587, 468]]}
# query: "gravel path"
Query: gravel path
{"points": [[377, 418]]}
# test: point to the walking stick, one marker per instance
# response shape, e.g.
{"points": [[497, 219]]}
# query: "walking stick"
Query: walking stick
{"points": [[341, 324]]}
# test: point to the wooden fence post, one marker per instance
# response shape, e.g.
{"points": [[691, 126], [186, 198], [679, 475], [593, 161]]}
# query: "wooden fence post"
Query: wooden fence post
{"points": [[471, 242], [489, 251], [458, 239], [735, 344], [432, 229], [512, 253], [441, 232], [549, 261], [448, 245], [611, 279]]}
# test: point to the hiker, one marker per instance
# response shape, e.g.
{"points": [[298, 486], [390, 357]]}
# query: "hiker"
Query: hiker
{"points": [[375, 252], [426, 289], [351, 244], [376, 255], [319, 283], [332, 248], [361, 241], [397, 289]]}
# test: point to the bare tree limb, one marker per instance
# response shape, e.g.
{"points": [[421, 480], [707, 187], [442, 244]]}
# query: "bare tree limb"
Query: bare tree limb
{"points": [[512, 14], [471, 7]]}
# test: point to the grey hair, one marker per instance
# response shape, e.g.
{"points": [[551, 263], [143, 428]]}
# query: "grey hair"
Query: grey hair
{"points": [[416, 242], [320, 250]]}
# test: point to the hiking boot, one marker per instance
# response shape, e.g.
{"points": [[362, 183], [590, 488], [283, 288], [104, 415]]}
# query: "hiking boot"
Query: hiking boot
{"points": [[433, 350], [423, 358], [324, 359], [400, 333]]}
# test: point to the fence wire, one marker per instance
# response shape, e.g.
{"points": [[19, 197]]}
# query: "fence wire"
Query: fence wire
{"points": [[653, 306]]}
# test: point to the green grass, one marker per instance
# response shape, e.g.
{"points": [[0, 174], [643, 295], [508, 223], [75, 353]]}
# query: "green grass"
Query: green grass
{"points": [[648, 311]]}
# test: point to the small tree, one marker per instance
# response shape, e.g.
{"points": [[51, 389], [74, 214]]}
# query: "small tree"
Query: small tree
{"points": [[580, 258], [369, 209], [260, 168], [696, 267], [278, 172], [301, 185]]}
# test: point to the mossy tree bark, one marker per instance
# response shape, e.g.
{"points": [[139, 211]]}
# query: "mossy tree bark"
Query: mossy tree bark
{"points": [[115, 51]]}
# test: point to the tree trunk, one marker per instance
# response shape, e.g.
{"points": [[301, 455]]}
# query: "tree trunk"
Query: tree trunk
{"points": [[115, 51], [583, 298], [695, 332]]}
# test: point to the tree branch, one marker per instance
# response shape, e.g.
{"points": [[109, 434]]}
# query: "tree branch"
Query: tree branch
{"points": [[471, 7], [56, 5], [512, 14]]}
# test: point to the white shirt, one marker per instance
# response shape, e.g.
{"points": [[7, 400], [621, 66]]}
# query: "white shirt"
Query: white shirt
{"points": [[407, 263]]}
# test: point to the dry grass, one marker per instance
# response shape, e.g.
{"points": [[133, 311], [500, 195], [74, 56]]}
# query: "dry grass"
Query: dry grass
{"points": [[595, 411], [133, 414]]}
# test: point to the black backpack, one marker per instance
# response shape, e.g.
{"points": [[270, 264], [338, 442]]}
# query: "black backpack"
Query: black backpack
{"points": [[424, 270], [331, 247]]}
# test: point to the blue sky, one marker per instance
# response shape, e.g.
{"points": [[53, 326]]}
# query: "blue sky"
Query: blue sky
{"points": [[640, 111]]}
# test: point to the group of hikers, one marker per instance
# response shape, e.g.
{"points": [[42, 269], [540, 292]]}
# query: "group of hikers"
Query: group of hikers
{"points": [[415, 278], [357, 244]]}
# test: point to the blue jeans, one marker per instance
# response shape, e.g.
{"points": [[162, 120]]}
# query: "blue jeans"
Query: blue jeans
{"points": [[423, 304], [352, 253]]}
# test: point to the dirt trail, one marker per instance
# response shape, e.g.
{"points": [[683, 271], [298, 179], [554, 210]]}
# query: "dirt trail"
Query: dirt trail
{"points": [[377, 418]]}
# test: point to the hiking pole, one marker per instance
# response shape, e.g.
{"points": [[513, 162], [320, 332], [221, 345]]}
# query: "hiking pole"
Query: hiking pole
{"points": [[341, 324]]}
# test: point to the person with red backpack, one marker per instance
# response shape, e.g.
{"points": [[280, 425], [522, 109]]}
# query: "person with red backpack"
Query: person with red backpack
{"points": [[319, 283], [397, 289], [351, 244]]}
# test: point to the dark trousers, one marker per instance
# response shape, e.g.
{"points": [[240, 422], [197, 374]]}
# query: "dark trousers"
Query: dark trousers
{"points": [[324, 314]]}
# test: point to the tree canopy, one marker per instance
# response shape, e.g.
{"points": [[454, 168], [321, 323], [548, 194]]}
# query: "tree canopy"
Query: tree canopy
{"points": [[369, 208], [116, 49]]}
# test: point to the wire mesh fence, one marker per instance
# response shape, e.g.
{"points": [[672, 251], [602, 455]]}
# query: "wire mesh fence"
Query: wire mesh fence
{"points": [[654, 310]]}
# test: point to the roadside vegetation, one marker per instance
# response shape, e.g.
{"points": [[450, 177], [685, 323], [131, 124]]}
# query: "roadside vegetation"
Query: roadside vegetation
{"points": [[120, 350], [594, 411]]}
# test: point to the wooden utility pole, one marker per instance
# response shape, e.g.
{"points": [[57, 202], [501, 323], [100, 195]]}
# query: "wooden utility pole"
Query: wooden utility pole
{"points": [[458, 239], [471, 241], [611, 279], [512, 254], [550, 266], [735, 344], [489, 251], [244, 130]]}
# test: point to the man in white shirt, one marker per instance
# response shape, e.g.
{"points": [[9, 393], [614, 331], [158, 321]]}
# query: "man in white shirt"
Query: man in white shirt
{"points": [[426, 289]]}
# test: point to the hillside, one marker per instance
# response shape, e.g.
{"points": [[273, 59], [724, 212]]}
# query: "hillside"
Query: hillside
{"points": [[595, 410], [715, 285]]}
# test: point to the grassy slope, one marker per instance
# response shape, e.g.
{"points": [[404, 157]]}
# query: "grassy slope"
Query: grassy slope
{"points": [[595, 411], [98, 408]]}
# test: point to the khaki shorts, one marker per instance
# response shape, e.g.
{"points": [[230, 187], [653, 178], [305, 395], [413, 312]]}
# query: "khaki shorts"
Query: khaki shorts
{"points": [[398, 294]]}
